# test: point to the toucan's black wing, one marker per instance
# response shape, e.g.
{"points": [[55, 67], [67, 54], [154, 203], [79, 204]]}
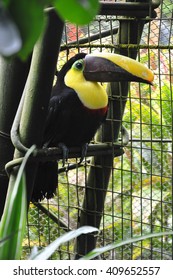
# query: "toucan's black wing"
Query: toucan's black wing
{"points": [[53, 111], [59, 116], [62, 99]]}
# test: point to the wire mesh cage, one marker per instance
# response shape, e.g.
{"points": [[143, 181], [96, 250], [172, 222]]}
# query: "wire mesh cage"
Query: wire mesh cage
{"points": [[138, 174]]}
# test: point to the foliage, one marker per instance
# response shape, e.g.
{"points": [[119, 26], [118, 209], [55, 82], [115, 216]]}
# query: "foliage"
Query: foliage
{"points": [[142, 182], [49, 250], [27, 19], [13, 221], [98, 251], [167, 8], [79, 12]]}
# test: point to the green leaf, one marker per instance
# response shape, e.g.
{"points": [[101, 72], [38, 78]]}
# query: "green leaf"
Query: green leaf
{"points": [[5, 2], [50, 249], [10, 40], [30, 20], [98, 251], [77, 11], [13, 221]]}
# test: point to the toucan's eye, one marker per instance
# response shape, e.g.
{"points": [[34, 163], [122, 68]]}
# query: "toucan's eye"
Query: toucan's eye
{"points": [[79, 64]]}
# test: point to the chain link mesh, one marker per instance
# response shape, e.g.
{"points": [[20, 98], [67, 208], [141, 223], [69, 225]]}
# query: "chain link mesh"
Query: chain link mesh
{"points": [[139, 195]]}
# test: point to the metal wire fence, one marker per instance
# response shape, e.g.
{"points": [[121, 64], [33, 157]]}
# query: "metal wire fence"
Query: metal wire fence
{"points": [[139, 195]]}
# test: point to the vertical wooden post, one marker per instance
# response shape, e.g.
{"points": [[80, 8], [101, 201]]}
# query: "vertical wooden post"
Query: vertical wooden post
{"points": [[37, 92], [13, 74]]}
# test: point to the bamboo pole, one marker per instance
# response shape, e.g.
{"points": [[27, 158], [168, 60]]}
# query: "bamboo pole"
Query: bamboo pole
{"points": [[37, 93], [13, 74]]}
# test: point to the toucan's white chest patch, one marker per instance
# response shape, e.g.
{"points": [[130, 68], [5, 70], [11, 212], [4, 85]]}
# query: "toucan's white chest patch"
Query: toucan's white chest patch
{"points": [[92, 94]]}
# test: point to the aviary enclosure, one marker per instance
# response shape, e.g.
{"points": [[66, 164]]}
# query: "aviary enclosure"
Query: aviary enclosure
{"points": [[124, 185]]}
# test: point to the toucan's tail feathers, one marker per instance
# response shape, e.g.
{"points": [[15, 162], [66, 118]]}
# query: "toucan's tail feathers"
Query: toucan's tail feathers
{"points": [[46, 181]]}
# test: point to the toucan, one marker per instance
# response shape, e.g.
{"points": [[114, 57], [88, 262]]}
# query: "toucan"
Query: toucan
{"points": [[79, 105]]}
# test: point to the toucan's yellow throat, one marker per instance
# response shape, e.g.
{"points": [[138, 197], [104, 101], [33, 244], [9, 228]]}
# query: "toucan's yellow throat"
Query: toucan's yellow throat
{"points": [[92, 94]]}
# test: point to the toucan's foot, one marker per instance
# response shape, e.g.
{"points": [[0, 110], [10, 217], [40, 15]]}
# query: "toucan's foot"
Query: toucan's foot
{"points": [[83, 152], [65, 152]]}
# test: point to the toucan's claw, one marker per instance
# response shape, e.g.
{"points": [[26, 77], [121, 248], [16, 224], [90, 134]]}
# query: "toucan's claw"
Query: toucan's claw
{"points": [[83, 152], [65, 152]]}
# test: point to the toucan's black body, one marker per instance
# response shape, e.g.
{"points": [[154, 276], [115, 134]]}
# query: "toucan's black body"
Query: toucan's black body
{"points": [[73, 127], [68, 122], [78, 106]]}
